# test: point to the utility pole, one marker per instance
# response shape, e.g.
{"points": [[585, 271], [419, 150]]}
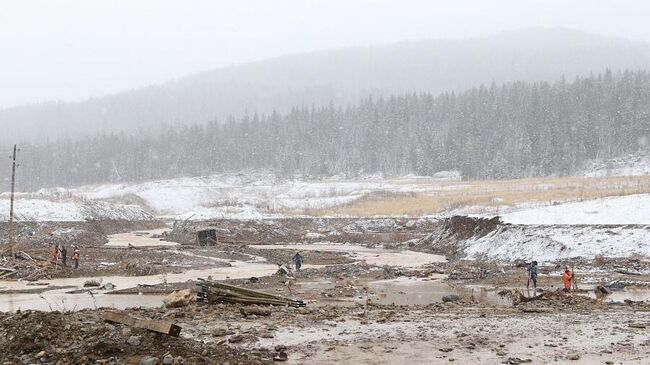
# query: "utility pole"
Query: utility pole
{"points": [[11, 205]]}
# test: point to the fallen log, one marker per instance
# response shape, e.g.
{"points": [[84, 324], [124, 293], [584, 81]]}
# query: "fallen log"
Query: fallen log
{"points": [[160, 326], [6, 269]]}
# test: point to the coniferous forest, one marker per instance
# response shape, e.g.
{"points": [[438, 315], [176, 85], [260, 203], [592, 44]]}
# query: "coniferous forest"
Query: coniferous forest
{"points": [[517, 129]]}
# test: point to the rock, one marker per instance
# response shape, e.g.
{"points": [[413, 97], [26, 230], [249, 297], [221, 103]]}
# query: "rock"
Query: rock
{"points": [[126, 331], [134, 341], [517, 361], [108, 286], [179, 298], [446, 349], [178, 360], [150, 360], [168, 359], [91, 283], [573, 357], [235, 338], [450, 298], [255, 310], [219, 332], [40, 354]]}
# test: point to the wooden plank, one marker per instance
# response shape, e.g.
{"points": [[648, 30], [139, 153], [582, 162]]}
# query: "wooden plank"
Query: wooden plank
{"points": [[160, 326]]}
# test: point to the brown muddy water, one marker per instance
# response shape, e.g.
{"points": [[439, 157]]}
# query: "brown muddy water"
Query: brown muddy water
{"points": [[417, 291]]}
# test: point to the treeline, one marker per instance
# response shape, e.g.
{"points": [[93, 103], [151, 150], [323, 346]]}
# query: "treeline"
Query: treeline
{"points": [[514, 130]]}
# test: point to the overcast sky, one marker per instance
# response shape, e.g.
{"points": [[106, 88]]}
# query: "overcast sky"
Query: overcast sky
{"points": [[75, 49]]}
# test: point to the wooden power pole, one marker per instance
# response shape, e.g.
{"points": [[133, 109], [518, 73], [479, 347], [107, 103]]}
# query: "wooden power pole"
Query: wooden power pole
{"points": [[11, 205]]}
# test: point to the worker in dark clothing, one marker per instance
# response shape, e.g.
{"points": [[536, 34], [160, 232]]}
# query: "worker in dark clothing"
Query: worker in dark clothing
{"points": [[64, 255], [75, 256], [297, 259], [532, 274]]}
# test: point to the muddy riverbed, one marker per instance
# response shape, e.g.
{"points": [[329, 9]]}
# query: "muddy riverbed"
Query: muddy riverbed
{"points": [[366, 304]]}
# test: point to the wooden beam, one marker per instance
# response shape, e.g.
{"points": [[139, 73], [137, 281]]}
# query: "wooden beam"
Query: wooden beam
{"points": [[160, 326]]}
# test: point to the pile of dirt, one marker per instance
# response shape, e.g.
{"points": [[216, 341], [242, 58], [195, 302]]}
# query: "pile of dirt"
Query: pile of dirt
{"points": [[84, 338], [552, 300], [449, 235]]}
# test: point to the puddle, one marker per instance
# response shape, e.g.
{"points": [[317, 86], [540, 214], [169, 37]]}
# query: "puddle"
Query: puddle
{"points": [[415, 291], [373, 256], [620, 296], [12, 302], [60, 301], [139, 239]]}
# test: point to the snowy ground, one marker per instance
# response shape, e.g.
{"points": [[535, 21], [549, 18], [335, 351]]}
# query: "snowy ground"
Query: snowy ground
{"points": [[255, 195]]}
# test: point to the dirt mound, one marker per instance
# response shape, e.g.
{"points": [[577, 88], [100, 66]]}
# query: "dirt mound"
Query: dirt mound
{"points": [[84, 338], [552, 300], [449, 235]]}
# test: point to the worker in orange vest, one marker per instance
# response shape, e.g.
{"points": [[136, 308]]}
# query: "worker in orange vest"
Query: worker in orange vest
{"points": [[567, 277], [75, 256], [55, 255]]}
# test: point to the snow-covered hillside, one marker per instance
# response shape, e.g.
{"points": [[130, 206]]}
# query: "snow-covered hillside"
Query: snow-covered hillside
{"points": [[631, 209], [253, 195]]}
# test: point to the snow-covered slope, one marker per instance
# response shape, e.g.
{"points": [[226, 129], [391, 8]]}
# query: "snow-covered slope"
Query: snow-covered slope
{"points": [[47, 208], [550, 243], [475, 237], [631, 209], [251, 195]]}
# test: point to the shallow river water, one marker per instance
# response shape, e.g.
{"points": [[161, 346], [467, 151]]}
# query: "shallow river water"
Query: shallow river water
{"points": [[58, 299]]}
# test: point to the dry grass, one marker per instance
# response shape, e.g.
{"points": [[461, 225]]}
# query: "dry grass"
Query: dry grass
{"points": [[486, 194]]}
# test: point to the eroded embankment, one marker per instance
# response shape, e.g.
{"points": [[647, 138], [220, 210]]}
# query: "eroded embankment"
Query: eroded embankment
{"points": [[473, 237]]}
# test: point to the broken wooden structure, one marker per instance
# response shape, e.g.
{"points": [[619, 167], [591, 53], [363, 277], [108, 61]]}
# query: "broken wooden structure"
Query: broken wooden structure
{"points": [[206, 237], [160, 326], [214, 292]]}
